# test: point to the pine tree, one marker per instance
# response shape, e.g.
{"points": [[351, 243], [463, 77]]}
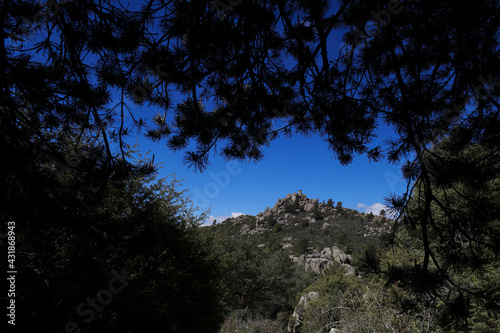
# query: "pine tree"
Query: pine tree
{"points": [[456, 265]]}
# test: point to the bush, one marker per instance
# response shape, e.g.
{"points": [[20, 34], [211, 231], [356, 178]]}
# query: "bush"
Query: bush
{"points": [[139, 227], [262, 280], [269, 221], [245, 321], [291, 206], [316, 214], [349, 305], [301, 246]]}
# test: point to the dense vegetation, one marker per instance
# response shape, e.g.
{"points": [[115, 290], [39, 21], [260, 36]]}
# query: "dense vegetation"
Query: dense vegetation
{"points": [[346, 230], [118, 255]]}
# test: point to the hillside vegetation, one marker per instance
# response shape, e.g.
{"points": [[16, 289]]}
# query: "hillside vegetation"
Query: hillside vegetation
{"points": [[297, 223], [305, 265]]}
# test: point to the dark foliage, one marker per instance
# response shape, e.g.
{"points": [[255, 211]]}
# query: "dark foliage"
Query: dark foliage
{"points": [[80, 234]]}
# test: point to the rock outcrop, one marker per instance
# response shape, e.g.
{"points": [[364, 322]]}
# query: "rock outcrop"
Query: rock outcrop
{"points": [[297, 209], [319, 261], [298, 200], [245, 229]]}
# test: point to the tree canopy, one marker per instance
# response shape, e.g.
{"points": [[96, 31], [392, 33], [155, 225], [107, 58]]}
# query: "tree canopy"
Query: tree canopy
{"points": [[251, 70], [459, 211]]}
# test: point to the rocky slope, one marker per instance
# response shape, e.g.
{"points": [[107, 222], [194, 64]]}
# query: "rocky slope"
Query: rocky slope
{"points": [[310, 229]]}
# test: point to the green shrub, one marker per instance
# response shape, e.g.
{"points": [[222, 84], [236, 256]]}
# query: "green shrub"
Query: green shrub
{"points": [[301, 246], [290, 206], [269, 221], [247, 322], [349, 304]]}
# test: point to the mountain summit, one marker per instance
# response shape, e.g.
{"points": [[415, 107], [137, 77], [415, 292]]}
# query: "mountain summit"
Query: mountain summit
{"points": [[302, 225]]}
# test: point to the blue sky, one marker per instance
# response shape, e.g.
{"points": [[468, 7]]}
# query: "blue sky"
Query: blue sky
{"points": [[230, 188]]}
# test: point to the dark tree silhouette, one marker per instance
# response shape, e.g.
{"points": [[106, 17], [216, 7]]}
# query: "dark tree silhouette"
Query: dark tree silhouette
{"points": [[413, 67], [429, 72]]}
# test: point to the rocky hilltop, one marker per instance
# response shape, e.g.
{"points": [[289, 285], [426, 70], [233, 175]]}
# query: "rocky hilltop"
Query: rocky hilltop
{"points": [[315, 233], [286, 208]]}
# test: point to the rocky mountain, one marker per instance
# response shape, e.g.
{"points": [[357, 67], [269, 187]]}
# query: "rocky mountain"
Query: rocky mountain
{"points": [[312, 231], [312, 234], [299, 267]]}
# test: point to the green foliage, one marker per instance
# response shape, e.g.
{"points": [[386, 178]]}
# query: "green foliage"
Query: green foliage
{"points": [[90, 222], [301, 246], [339, 206], [330, 203], [291, 206], [249, 322], [198, 52], [453, 267], [347, 231], [261, 279], [333, 280], [369, 260], [316, 213], [269, 221], [56, 88], [136, 225], [349, 304]]}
